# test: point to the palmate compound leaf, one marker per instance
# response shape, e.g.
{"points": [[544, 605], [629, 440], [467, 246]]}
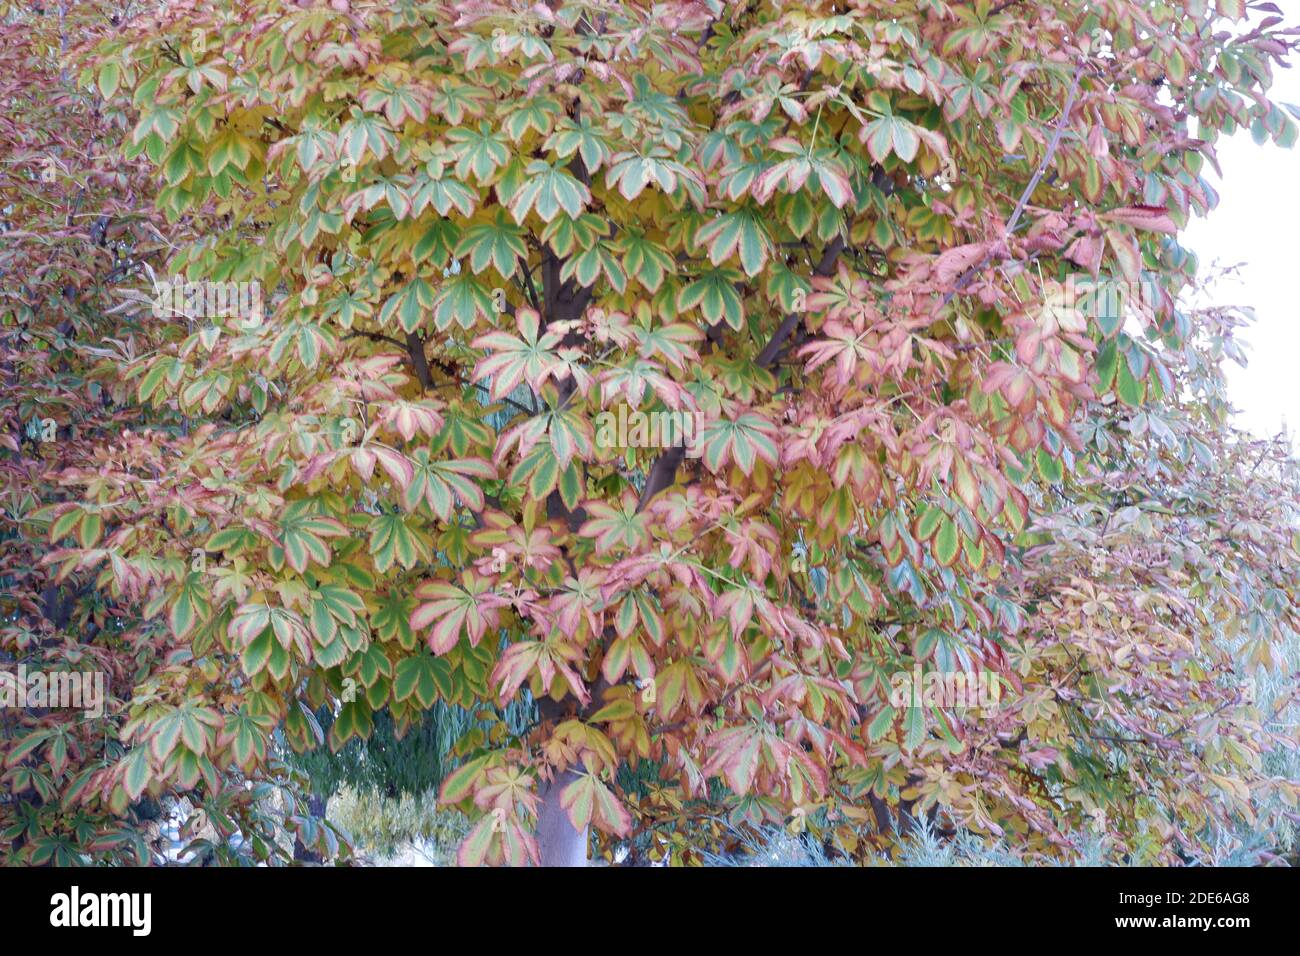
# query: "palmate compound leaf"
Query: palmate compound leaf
{"points": [[740, 234], [394, 540], [354, 719], [736, 756], [332, 608], [617, 525], [190, 607], [408, 306], [889, 133], [440, 484], [551, 661], [498, 841], [713, 292], [587, 800], [303, 538], [449, 611], [512, 360], [740, 441], [425, 678], [548, 190], [497, 244]]}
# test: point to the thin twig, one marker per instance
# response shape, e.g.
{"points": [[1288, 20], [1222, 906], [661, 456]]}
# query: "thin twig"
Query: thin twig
{"points": [[1019, 211]]}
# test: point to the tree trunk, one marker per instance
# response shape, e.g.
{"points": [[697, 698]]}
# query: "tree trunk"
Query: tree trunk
{"points": [[560, 843]]}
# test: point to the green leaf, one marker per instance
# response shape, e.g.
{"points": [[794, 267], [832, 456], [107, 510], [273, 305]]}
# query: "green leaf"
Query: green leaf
{"points": [[913, 727], [191, 605], [256, 654], [1107, 365], [135, 777], [110, 74], [947, 542], [881, 723], [714, 294], [1049, 467], [1129, 387]]}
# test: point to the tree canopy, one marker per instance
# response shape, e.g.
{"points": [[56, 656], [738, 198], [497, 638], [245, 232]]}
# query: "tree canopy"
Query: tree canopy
{"points": [[863, 249]]}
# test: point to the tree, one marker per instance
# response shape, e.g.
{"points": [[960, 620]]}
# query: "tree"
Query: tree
{"points": [[72, 226], [835, 249], [1163, 576], [78, 221]]}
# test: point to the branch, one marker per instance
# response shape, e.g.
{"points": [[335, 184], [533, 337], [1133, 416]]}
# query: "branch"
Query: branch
{"points": [[415, 349], [661, 475], [1057, 133], [375, 337], [663, 472], [772, 350]]}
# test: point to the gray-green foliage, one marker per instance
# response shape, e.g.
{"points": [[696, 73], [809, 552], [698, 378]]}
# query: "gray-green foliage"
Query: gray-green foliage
{"points": [[381, 827], [405, 765], [923, 846]]}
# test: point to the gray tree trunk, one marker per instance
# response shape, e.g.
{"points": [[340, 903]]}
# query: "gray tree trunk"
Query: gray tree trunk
{"points": [[560, 843]]}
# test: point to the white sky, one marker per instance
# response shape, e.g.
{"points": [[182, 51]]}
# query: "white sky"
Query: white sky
{"points": [[1256, 224]]}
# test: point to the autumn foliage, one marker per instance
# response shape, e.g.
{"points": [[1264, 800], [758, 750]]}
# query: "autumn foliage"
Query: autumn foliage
{"points": [[860, 244]]}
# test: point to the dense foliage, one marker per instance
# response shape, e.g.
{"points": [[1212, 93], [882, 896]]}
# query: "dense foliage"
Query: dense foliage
{"points": [[74, 221], [848, 242]]}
